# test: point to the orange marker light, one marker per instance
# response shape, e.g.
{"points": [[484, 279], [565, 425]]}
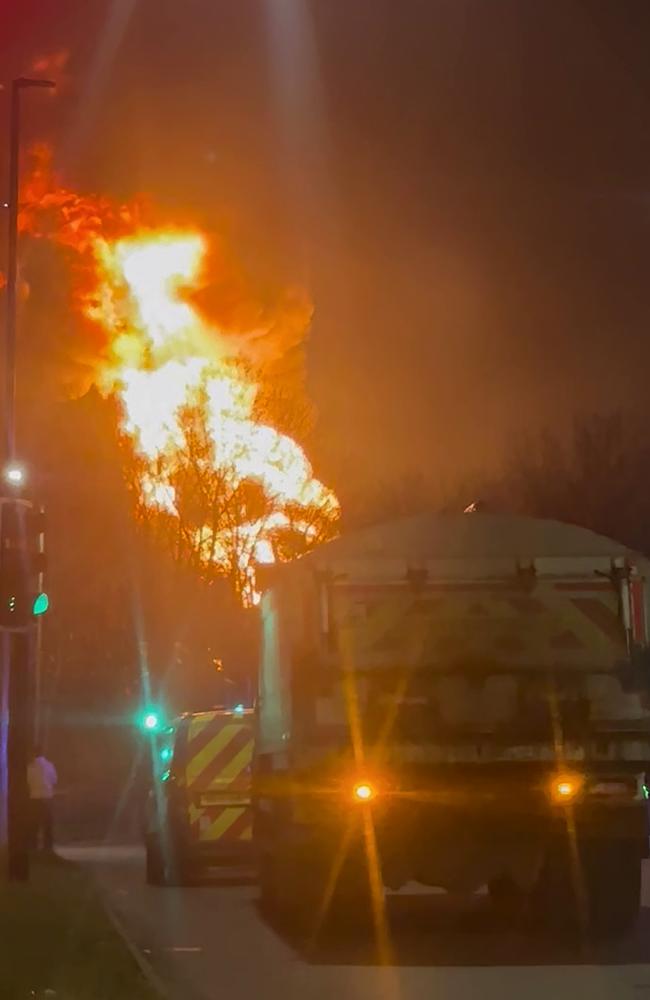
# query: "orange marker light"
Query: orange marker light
{"points": [[364, 792], [566, 787]]}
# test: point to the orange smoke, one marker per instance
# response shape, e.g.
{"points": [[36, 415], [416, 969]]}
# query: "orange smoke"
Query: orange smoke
{"points": [[50, 211], [54, 62], [52, 66]]}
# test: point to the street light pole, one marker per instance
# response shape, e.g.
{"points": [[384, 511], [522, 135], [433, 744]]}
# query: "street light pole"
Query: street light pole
{"points": [[17, 709], [12, 260]]}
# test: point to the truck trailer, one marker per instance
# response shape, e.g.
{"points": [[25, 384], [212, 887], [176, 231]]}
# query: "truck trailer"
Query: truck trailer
{"points": [[460, 700]]}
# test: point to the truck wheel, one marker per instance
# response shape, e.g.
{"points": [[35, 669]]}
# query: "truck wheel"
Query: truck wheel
{"points": [[280, 893], [599, 898], [177, 872], [612, 873], [266, 878], [291, 895], [155, 870], [167, 870], [351, 904], [506, 898], [288, 893]]}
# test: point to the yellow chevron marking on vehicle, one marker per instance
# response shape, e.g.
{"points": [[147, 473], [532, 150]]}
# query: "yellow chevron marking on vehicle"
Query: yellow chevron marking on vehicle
{"points": [[235, 766], [199, 723], [196, 764], [402, 628], [222, 823]]}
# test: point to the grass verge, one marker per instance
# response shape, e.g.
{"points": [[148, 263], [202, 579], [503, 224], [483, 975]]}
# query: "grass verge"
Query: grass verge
{"points": [[55, 936]]}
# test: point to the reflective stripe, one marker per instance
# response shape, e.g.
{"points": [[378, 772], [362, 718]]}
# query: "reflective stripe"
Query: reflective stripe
{"points": [[226, 823], [226, 767], [237, 765], [197, 763], [217, 777], [574, 621], [198, 724]]}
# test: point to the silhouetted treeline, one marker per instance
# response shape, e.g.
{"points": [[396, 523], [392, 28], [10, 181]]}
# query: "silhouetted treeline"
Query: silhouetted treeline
{"points": [[595, 473]]}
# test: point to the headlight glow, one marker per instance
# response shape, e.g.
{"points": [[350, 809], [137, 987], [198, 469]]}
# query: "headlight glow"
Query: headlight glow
{"points": [[566, 787], [363, 791]]}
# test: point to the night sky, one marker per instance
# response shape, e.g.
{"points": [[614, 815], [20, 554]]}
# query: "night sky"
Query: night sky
{"points": [[463, 186]]}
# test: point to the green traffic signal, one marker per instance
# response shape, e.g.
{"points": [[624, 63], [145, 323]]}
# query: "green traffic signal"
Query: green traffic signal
{"points": [[40, 605], [15, 607], [151, 720], [21, 558]]}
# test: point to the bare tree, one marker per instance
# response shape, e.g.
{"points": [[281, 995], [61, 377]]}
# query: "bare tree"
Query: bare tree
{"points": [[407, 496], [593, 475], [212, 520]]}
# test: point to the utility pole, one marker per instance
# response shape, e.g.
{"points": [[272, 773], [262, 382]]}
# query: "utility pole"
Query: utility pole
{"points": [[17, 711], [17, 86]]}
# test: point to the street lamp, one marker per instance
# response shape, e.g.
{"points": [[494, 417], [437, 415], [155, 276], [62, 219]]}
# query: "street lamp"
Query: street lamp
{"points": [[14, 475], [22, 83]]}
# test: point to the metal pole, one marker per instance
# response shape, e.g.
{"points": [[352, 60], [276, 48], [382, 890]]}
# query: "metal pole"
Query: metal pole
{"points": [[38, 643], [4, 735], [12, 261], [12, 275], [20, 736], [38, 683]]}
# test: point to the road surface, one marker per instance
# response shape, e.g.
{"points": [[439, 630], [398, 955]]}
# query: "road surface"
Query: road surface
{"points": [[211, 942]]}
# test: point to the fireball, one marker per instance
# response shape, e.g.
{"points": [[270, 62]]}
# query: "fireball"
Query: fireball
{"points": [[165, 359]]}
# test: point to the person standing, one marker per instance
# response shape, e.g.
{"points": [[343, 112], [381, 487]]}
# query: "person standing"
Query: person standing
{"points": [[42, 779]]}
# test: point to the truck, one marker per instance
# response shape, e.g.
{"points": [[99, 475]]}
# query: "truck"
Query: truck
{"points": [[460, 700]]}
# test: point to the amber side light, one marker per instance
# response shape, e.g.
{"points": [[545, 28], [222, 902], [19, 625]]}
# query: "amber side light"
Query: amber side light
{"points": [[363, 791], [566, 787]]}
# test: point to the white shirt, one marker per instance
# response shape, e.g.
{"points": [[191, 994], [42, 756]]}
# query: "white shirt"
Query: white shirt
{"points": [[42, 778]]}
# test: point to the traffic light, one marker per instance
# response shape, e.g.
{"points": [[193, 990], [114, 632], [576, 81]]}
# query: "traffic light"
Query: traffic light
{"points": [[22, 534], [150, 719], [41, 604]]}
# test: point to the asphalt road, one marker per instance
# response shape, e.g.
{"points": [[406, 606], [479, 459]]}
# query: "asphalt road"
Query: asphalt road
{"points": [[211, 942]]}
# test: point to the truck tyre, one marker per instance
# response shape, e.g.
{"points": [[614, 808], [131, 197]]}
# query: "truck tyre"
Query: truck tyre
{"points": [[506, 898], [155, 871], [351, 903], [284, 891], [267, 882], [292, 894], [612, 873], [598, 898], [177, 871], [164, 871]]}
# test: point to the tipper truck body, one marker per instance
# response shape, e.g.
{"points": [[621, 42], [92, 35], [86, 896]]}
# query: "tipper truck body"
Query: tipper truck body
{"points": [[460, 700]]}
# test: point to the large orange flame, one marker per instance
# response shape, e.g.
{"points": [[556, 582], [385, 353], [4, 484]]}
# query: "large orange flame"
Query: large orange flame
{"points": [[162, 357]]}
